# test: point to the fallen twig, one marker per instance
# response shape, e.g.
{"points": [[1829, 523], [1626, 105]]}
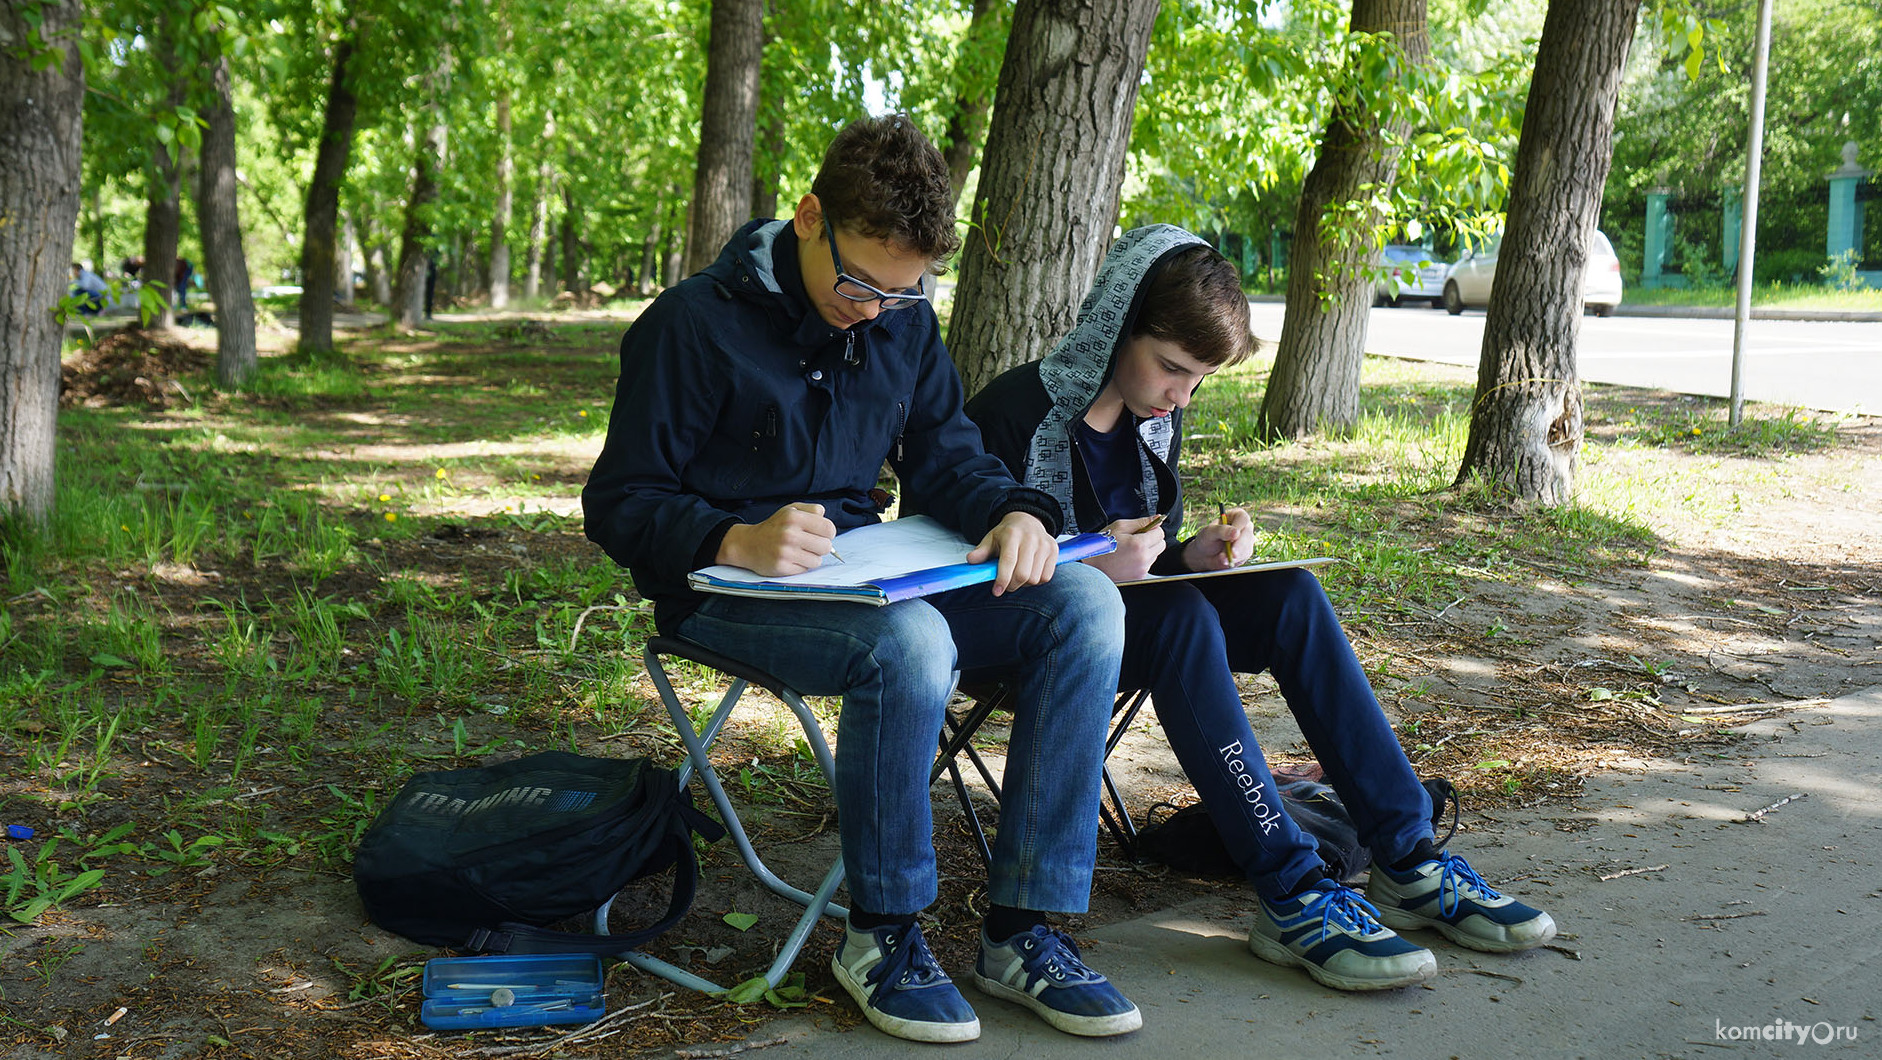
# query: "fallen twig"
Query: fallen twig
{"points": [[1632, 872], [1722, 916], [1755, 814], [601, 1028], [730, 1050]]}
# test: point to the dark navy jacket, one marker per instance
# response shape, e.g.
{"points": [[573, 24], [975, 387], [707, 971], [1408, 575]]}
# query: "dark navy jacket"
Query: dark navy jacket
{"points": [[735, 398]]}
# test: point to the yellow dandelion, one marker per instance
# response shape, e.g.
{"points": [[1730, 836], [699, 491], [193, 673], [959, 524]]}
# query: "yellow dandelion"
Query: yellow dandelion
{"points": [[535, 478], [392, 517], [583, 413], [124, 528], [440, 473], [1695, 430], [384, 497]]}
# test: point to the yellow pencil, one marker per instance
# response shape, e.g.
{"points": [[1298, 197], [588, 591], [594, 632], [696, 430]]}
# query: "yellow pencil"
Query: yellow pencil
{"points": [[1149, 526], [1228, 550]]}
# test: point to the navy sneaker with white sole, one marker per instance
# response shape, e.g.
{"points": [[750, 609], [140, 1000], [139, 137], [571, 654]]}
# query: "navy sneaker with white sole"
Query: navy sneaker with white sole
{"points": [[1447, 894], [901, 989], [1041, 969], [1332, 932]]}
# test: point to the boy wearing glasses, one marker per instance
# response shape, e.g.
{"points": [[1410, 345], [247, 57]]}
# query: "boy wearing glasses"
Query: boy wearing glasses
{"points": [[756, 404]]}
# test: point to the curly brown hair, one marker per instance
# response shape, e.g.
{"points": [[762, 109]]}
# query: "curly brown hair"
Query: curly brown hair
{"points": [[882, 179], [1195, 300]]}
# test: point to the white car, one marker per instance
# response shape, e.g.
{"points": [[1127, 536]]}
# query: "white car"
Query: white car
{"points": [[1469, 280], [1409, 273]]}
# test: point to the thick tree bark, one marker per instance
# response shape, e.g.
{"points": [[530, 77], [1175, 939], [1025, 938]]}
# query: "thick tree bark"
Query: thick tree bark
{"points": [[41, 116], [331, 155], [539, 214], [728, 123], [1526, 421], [500, 215], [415, 253], [224, 260], [1049, 181], [1314, 386], [967, 121]]}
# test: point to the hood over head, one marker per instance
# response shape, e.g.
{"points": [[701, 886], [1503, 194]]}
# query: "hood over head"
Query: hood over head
{"points": [[1079, 366]]}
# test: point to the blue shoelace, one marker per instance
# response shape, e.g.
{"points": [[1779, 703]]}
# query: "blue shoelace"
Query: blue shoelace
{"points": [[1051, 954], [908, 963], [1456, 875], [1345, 909]]}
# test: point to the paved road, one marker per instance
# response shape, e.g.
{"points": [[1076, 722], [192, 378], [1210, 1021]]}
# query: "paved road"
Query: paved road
{"points": [[1829, 365]]}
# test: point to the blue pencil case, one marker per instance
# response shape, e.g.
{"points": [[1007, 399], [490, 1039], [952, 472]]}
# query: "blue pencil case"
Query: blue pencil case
{"points": [[532, 990]]}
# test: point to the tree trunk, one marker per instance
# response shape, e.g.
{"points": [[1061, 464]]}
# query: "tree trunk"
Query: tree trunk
{"points": [[323, 206], [224, 260], [41, 118], [571, 248], [650, 251], [1526, 421], [973, 68], [675, 255], [500, 216], [163, 209], [415, 253], [1314, 386], [1049, 181], [345, 252], [728, 123], [539, 216], [767, 165], [379, 276]]}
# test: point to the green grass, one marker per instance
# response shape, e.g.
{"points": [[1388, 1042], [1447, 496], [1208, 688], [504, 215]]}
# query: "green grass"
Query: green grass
{"points": [[1763, 296], [354, 573]]}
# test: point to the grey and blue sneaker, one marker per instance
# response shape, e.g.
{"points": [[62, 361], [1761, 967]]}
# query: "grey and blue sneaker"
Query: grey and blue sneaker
{"points": [[1447, 894], [901, 989], [1041, 970], [1331, 932]]}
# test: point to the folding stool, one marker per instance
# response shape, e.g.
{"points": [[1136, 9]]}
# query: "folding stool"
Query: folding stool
{"points": [[698, 745], [957, 733]]}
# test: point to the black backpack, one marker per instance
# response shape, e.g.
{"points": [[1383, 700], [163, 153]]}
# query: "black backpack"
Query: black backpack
{"points": [[483, 859], [1187, 840]]}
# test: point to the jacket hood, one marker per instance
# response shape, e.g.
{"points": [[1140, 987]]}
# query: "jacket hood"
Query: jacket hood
{"points": [[1080, 365], [760, 263]]}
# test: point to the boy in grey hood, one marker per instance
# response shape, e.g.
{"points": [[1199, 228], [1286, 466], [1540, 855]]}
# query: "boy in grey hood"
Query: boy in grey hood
{"points": [[1098, 424]]}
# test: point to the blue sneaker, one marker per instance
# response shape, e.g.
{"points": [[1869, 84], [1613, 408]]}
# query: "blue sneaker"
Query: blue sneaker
{"points": [[1331, 932], [900, 988], [1041, 970], [1447, 894]]}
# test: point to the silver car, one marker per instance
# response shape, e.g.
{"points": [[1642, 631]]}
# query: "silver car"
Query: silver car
{"points": [[1409, 273], [1469, 280]]}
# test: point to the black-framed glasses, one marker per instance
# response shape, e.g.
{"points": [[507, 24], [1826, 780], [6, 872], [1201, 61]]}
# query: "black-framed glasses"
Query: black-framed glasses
{"points": [[857, 291]]}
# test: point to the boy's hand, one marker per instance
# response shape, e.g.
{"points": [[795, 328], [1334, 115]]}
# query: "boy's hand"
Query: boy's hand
{"points": [[1026, 552], [1139, 543], [1219, 545], [795, 539]]}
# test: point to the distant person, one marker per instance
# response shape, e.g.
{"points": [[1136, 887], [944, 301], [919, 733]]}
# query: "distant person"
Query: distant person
{"points": [[431, 281], [181, 277], [132, 268], [90, 288], [1099, 424]]}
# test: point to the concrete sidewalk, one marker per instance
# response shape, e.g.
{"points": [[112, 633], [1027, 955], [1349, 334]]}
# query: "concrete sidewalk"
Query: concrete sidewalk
{"points": [[1687, 930]]}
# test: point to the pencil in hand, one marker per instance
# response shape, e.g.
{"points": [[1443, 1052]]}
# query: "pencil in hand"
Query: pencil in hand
{"points": [[1228, 549], [1149, 526]]}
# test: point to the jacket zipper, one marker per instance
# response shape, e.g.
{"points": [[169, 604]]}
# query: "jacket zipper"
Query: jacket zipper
{"points": [[901, 427]]}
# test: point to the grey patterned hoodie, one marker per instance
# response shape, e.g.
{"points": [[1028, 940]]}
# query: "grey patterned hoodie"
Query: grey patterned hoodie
{"points": [[1028, 414]]}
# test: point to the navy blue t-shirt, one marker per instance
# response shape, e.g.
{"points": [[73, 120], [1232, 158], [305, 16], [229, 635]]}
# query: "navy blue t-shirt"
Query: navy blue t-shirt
{"points": [[1113, 464]]}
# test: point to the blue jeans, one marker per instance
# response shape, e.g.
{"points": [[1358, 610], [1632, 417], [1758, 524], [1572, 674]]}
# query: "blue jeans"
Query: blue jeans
{"points": [[894, 667], [1186, 641]]}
